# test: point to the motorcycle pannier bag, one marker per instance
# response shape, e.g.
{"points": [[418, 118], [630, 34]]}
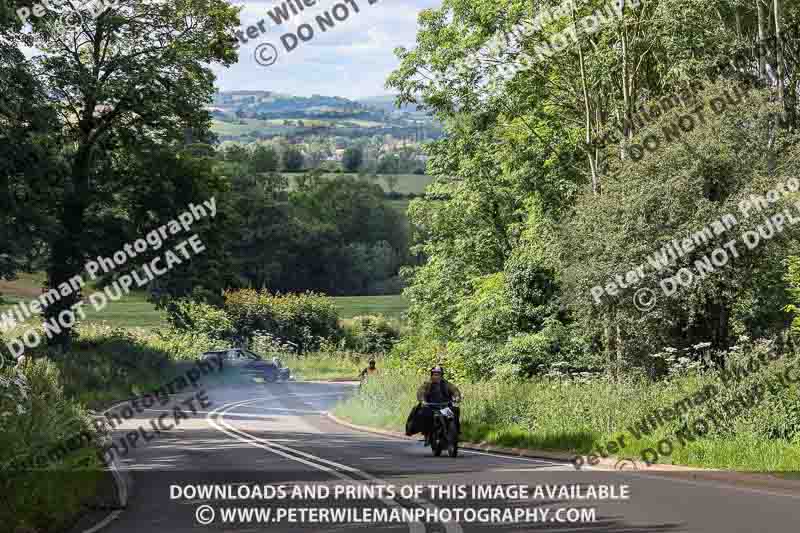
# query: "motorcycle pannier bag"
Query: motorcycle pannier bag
{"points": [[411, 423]]}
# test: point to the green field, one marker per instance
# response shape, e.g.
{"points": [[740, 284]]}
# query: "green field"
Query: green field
{"points": [[276, 125], [389, 306], [135, 311]]}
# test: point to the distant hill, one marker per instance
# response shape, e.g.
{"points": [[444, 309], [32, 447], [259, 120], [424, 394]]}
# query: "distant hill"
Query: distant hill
{"points": [[387, 103], [268, 104]]}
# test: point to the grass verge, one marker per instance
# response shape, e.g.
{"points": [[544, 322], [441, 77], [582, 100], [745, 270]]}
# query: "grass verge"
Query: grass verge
{"points": [[580, 417], [325, 367], [45, 403]]}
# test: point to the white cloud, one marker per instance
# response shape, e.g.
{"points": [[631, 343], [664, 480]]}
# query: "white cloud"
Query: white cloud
{"points": [[351, 59]]}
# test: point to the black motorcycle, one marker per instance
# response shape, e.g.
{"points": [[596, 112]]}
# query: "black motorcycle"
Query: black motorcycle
{"points": [[445, 429]]}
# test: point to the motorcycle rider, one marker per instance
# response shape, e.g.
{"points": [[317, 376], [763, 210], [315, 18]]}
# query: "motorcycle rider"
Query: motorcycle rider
{"points": [[436, 390]]}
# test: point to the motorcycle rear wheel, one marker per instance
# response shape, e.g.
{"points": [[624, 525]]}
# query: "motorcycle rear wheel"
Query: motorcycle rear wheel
{"points": [[436, 447]]}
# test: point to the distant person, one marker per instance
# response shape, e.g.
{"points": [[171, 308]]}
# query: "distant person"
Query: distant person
{"points": [[370, 370], [277, 362]]}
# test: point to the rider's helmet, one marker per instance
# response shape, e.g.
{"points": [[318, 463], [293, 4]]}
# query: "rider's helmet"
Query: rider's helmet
{"points": [[372, 362], [437, 370]]}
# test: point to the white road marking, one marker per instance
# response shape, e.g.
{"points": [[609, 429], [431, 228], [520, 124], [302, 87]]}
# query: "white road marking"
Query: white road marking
{"points": [[568, 466], [542, 469], [414, 527]]}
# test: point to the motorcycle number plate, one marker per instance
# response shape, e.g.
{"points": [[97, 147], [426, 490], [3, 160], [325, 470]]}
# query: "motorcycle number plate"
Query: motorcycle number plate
{"points": [[447, 412]]}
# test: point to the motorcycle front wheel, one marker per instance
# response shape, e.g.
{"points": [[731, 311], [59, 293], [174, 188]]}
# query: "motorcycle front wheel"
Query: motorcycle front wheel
{"points": [[437, 442], [452, 444]]}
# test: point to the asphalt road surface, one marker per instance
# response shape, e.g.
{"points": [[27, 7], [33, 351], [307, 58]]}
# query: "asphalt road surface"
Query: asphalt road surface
{"points": [[274, 449]]}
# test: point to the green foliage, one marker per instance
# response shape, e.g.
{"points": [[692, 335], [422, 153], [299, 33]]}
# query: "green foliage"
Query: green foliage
{"points": [[36, 419], [578, 414], [521, 191], [669, 196], [792, 278], [36, 414], [353, 159], [265, 159], [200, 317], [370, 334], [330, 234], [486, 313], [304, 319], [293, 160]]}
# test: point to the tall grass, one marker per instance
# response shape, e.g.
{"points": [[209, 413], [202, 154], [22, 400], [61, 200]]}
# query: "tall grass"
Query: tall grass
{"points": [[583, 416], [37, 417]]}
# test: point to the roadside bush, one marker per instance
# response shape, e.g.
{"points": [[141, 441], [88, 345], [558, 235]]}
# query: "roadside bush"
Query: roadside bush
{"points": [[6, 357], [36, 420], [35, 414], [370, 334], [200, 317], [303, 319], [417, 353]]}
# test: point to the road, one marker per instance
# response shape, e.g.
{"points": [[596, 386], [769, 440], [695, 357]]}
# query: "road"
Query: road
{"points": [[261, 436]]}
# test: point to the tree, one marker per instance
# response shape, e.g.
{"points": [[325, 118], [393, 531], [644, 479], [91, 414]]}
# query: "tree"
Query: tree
{"points": [[352, 159], [265, 159], [292, 160], [30, 166], [389, 164], [521, 159], [137, 71]]}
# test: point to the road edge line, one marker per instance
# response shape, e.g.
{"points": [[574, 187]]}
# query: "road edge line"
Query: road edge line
{"points": [[480, 447], [731, 478]]}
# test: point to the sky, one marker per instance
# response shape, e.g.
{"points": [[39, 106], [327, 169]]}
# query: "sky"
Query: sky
{"points": [[351, 59]]}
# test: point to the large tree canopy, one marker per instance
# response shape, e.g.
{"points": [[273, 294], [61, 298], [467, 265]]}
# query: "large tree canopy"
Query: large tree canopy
{"points": [[125, 91]]}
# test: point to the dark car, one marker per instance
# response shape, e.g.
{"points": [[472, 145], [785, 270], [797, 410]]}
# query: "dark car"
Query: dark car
{"points": [[250, 363]]}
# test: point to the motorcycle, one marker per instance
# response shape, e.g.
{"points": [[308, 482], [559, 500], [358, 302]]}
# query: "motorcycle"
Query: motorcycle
{"points": [[445, 429]]}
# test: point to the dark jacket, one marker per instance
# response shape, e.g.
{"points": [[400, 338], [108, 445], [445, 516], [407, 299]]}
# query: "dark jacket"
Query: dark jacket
{"points": [[449, 391]]}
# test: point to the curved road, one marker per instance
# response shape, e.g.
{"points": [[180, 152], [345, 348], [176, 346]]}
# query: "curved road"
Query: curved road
{"points": [[258, 437]]}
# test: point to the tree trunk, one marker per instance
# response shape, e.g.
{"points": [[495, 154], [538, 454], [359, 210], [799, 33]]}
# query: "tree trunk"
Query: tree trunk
{"points": [[67, 259], [762, 37], [592, 153], [779, 59]]}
